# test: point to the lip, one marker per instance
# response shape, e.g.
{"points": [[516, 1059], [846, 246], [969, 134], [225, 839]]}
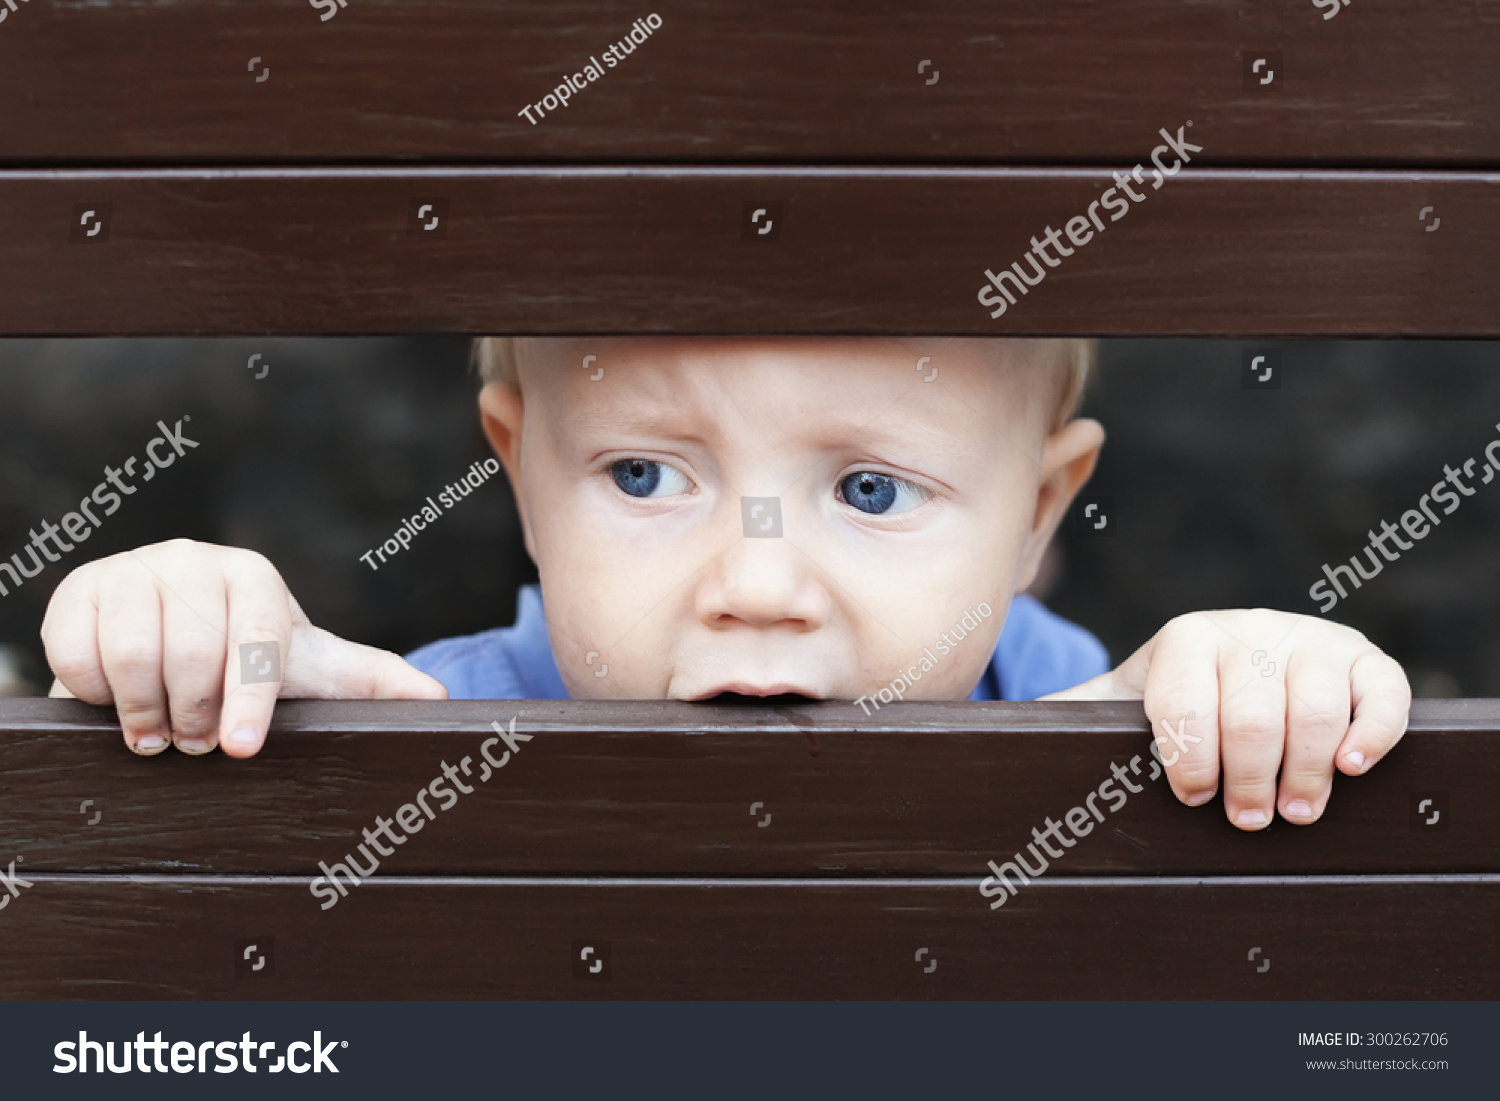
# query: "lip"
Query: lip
{"points": [[740, 688]]}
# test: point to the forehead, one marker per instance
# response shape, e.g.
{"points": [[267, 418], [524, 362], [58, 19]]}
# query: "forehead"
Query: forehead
{"points": [[820, 392], [688, 371], [735, 349]]}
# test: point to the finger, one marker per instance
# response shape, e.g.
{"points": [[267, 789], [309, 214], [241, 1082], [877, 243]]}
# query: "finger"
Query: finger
{"points": [[1181, 695], [1317, 709], [1381, 696], [324, 664], [260, 633], [194, 637], [70, 637], [1106, 686], [1252, 724], [130, 652]]}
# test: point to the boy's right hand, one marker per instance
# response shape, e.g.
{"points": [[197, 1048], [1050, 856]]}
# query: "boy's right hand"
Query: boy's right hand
{"points": [[157, 632]]}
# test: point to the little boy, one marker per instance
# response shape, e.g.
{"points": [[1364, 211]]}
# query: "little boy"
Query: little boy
{"points": [[762, 517]]}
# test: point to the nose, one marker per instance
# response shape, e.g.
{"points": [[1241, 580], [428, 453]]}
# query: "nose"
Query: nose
{"points": [[762, 583]]}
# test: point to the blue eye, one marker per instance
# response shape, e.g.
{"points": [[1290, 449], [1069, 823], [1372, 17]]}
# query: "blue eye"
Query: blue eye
{"points": [[876, 493], [644, 477]]}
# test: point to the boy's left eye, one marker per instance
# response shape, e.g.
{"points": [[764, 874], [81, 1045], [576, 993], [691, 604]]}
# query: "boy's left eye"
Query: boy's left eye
{"points": [[648, 478], [879, 494]]}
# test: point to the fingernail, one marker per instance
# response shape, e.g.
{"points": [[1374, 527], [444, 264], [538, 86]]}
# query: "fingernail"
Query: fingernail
{"points": [[1251, 819], [195, 746], [1201, 798], [1298, 808], [149, 743], [1355, 758], [243, 738]]}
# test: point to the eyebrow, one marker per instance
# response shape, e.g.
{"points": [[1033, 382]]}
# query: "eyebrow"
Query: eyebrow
{"points": [[889, 430], [658, 421]]}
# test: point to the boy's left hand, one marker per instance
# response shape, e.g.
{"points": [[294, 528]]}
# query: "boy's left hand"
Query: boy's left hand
{"points": [[1259, 691]]}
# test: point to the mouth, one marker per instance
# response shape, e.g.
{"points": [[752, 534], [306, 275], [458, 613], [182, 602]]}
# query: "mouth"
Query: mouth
{"points": [[758, 694]]}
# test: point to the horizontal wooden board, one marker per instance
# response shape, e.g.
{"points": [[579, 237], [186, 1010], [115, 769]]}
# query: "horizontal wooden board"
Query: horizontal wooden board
{"points": [[1060, 81], [1367, 938], [642, 788], [603, 250]]}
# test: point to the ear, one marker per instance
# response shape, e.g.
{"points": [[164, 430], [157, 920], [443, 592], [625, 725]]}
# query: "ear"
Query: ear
{"points": [[1068, 459], [502, 412]]}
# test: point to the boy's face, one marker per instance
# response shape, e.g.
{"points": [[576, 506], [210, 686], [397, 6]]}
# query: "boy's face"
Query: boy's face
{"points": [[903, 498]]}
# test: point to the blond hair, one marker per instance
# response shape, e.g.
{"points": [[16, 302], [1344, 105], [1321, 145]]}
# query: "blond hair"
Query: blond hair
{"points": [[494, 358]]}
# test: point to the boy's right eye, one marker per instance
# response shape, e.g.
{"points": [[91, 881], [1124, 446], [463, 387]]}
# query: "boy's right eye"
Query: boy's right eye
{"points": [[648, 478]]}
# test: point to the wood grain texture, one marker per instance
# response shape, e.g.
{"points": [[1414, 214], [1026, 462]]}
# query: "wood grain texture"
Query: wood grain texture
{"points": [[667, 789], [642, 250], [1347, 939], [1060, 81]]}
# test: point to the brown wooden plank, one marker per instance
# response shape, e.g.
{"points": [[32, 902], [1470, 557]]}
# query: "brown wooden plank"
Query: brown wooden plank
{"points": [[1372, 937], [640, 788], [1030, 80], [664, 250]]}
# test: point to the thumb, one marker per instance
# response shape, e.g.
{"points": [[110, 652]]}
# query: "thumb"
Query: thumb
{"points": [[323, 666], [1106, 686], [1127, 681]]}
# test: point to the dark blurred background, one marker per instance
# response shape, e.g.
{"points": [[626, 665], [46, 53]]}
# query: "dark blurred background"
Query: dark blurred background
{"points": [[1224, 497]]}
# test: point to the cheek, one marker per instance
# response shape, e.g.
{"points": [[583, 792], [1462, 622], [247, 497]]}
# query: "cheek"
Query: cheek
{"points": [[604, 617], [994, 556], [920, 594], [575, 544], [582, 632], [955, 661]]}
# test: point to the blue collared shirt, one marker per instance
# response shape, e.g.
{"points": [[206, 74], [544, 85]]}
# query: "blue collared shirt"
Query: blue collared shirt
{"points": [[1037, 653]]}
